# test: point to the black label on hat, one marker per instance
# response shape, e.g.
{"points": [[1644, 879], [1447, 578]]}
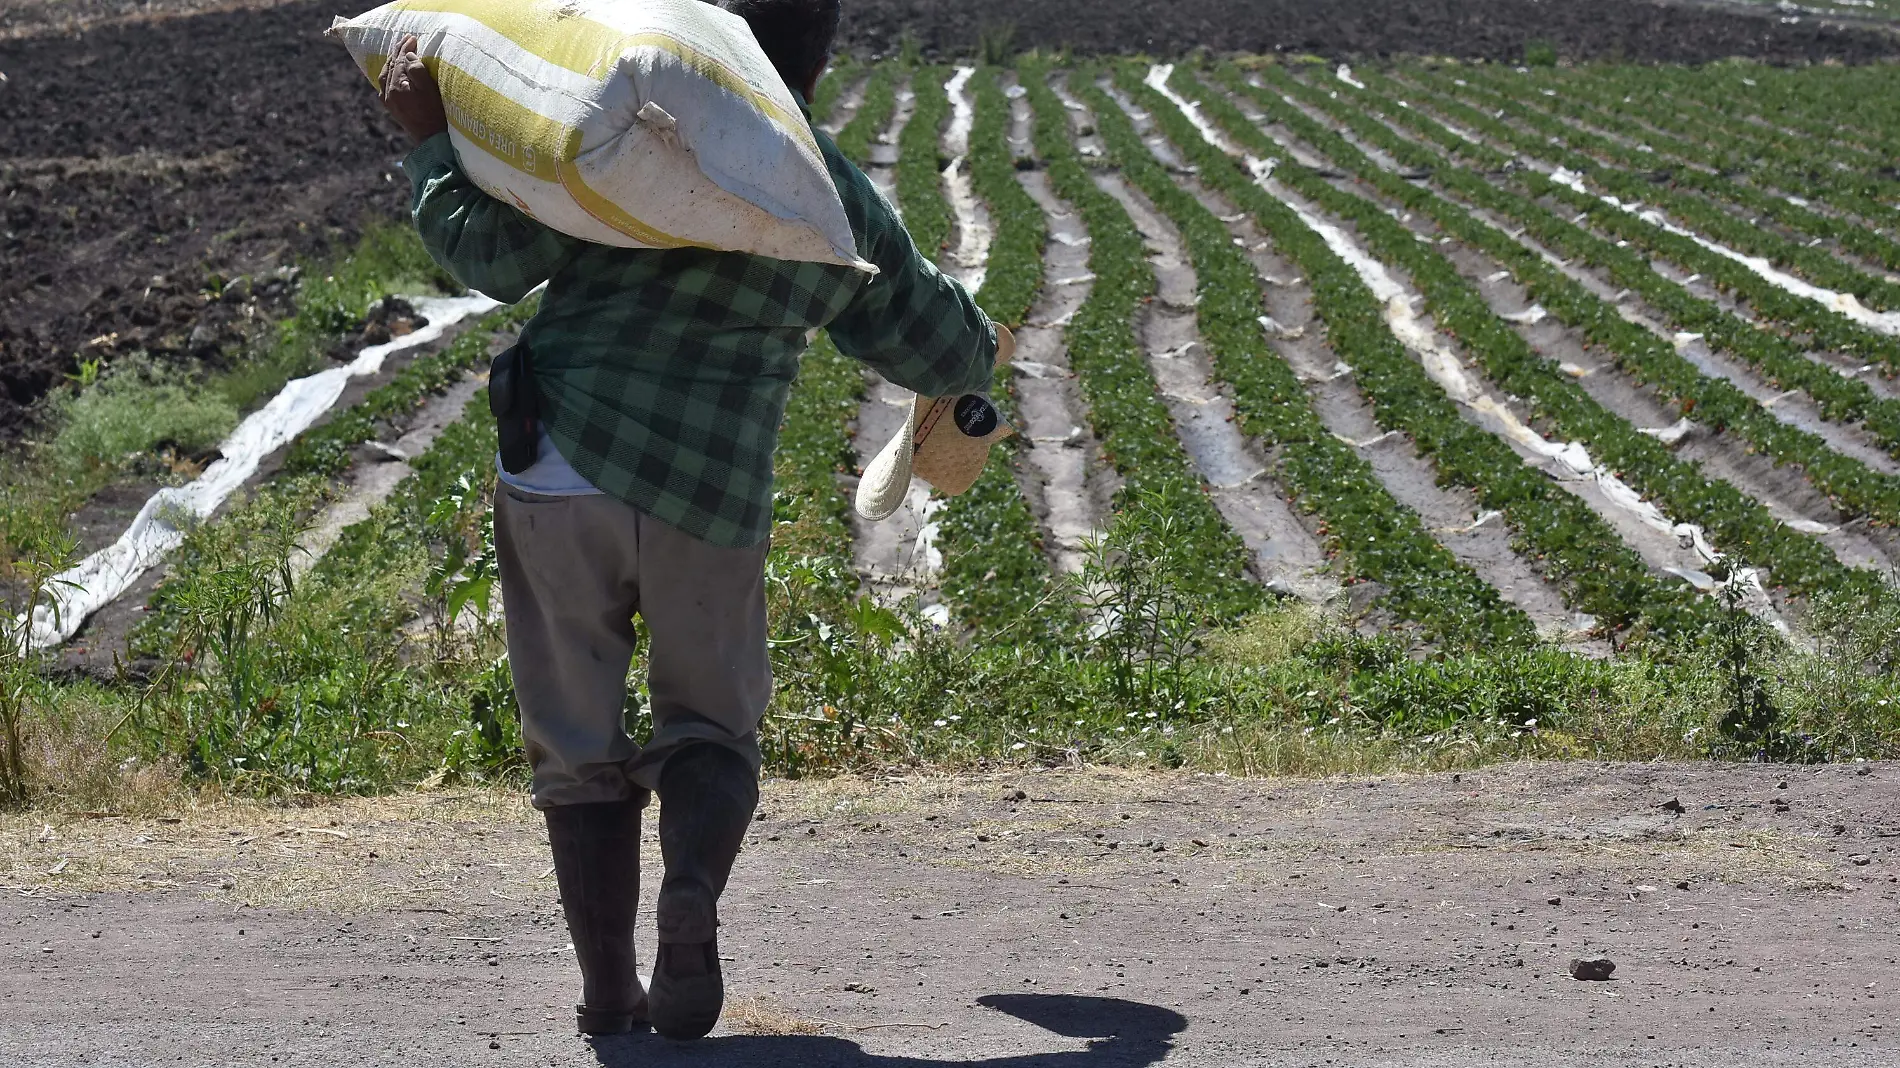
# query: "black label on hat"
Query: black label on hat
{"points": [[976, 416]]}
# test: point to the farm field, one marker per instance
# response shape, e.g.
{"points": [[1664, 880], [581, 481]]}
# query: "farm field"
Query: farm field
{"points": [[1383, 421], [1402, 415]]}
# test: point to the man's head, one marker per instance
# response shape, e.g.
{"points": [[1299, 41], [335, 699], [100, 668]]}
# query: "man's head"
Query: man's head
{"points": [[796, 35]]}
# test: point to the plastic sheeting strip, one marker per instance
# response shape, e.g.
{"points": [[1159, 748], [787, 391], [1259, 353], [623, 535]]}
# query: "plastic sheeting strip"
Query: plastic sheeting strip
{"points": [[1845, 304], [162, 523], [971, 257]]}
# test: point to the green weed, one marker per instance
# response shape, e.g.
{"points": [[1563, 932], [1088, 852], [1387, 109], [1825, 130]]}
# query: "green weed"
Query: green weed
{"points": [[131, 411], [996, 43], [42, 554]]}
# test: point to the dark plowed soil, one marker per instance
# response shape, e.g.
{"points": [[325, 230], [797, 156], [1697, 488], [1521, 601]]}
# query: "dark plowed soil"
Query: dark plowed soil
{"points": [[1488, 29], [144, 154]]}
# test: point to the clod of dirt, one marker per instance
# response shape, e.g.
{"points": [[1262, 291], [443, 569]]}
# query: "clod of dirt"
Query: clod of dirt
{"points": [[1673, 806], [1861, 860], [390, 318], [1592, 969]]}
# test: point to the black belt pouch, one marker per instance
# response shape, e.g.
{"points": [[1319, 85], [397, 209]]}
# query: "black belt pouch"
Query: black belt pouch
{"points": [[515, 401]]}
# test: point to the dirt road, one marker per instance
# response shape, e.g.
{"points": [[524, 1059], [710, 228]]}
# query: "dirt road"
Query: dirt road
{"points": [[1078, 919]]}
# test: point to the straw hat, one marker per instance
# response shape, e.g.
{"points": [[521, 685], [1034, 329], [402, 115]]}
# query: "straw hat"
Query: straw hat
{"points": [[946, 442]]}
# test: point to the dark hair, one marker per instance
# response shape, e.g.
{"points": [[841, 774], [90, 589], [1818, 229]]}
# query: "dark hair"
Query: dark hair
{"points": [[796, 34]]}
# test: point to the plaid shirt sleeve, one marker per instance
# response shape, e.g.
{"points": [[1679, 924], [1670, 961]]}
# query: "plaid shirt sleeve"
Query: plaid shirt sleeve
{"points": [[913, 324], [488, 246]]}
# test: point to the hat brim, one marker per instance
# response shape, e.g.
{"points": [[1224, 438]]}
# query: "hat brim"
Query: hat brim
{"points": [[929, 446]]}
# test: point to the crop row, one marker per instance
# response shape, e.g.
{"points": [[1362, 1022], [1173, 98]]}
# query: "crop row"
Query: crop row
{"points": [[831, 88], [1823, 327], [994, 570], [873, 114], [1844, 177], [1372, 536], [919, 171], [1637, 351], [1576, 549], [326, 451], [1695, 164], [1817, 103], [1128, 416], [1634, 176], [1740, 525]]}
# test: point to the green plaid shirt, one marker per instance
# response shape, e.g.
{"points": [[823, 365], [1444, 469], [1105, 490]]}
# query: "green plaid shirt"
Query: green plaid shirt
{"points": [[664, 373]]}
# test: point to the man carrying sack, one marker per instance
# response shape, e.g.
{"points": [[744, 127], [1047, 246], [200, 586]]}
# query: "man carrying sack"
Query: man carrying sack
{"points": [[640, 415]]}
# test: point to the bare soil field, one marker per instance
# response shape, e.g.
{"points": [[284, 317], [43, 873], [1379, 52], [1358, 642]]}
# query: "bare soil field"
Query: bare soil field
{"points": [[1078, 917], [1637, 30], [144, 155]]}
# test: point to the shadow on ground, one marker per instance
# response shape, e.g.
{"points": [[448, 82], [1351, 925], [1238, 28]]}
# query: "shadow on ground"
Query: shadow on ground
{"points": [[1122, 1034]]}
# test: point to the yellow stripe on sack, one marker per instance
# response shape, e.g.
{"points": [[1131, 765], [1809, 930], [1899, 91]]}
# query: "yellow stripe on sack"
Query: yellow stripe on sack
{"points": [[605, 210], [582, 45], [518, 136], [586, 47], [542, 147]]}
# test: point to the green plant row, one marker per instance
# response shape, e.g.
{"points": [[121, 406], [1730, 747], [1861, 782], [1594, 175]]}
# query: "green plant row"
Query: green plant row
{"points": [[1821, 326], [1819, 170], [1609, 102], [1639, 352], [400, 529], [873, 114], [1782, 362], [1739, 525], [831, 87], [1748, 94], [1372, 536], [810, 512], [1014, 274], [919, 171], [1784, 359], [324, 452], [1637, 176], [276, 688], [1574, 547], [1127, 414], [995, 572]]}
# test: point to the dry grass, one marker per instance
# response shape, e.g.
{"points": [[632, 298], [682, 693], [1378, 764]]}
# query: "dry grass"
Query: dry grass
{"points": [[76, 763], [456, 851], [762, 1014], [349, 855]]}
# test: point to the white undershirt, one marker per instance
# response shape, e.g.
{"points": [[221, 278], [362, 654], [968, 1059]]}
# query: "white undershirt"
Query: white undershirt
{"points": [[550, 475]]}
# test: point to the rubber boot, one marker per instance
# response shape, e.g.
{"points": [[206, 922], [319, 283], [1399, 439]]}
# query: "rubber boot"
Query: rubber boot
{"points": [[707, 797], [597, 863]]}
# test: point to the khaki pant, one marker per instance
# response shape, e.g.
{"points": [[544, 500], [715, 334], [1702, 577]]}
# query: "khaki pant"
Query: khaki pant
{"points": [[574, 572]]}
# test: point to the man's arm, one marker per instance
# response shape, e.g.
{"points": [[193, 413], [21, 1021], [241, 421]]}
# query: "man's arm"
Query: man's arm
{"points": [[912, 324], [488, 246]]}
